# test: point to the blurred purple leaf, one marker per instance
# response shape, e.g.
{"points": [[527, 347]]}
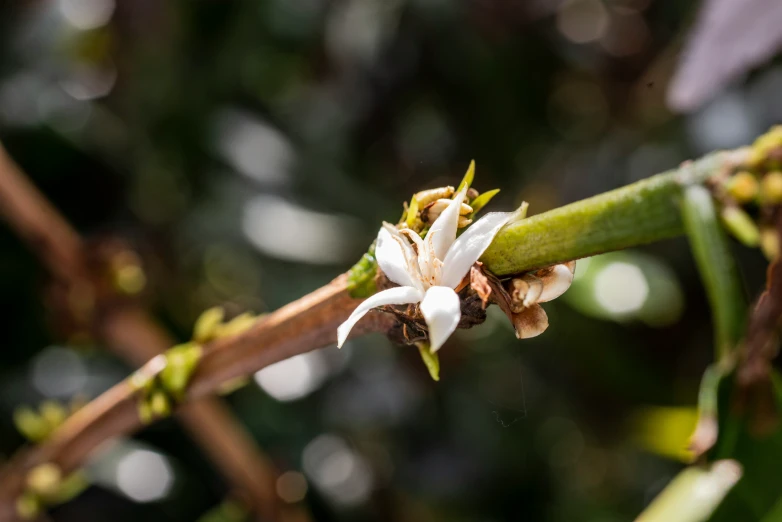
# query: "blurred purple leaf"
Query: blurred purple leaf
{"points": [[729, 38]]}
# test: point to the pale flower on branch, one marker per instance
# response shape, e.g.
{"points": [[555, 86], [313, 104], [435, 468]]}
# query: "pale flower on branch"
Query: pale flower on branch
{"points": [[428, 269]]}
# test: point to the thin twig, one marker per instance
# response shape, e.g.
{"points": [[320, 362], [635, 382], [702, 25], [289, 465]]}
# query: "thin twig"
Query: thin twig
{"points": [[135, 337]]}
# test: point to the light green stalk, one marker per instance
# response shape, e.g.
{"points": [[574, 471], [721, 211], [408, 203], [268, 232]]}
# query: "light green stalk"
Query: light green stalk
{"points": [[640, 213], [718, 271]]}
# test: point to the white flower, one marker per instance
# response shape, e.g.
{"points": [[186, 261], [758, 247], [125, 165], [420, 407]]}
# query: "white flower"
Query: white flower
{"points": [[429, 274]]}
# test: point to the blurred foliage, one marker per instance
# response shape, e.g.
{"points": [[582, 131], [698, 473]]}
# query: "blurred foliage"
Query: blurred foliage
{"points": [[249, 150]]}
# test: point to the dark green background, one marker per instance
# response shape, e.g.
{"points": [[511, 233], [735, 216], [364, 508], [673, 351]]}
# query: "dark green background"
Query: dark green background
{"points": [[373, 100]]}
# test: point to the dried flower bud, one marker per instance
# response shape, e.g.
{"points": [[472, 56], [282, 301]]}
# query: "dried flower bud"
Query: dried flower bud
{"points": [[524, 292], [556, 280], [472, 193], [531, 322]]}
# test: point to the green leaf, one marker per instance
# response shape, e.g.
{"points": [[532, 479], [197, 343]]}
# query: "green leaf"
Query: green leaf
{"points": [[181, 362], [468, 177], [740, 224], [482, 200], [207, 324], [237, 325], [742, 437], [71, 487], [694, 494], [412, 212], [30, 424], [716, 266], [431, 360], [361, 277]]}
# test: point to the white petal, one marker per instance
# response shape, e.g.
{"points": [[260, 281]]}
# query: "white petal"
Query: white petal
{"points": [[556, 280], [390, 256], [398, 295], [470, 246], [443, 229], [442, 312], [424, 264]]}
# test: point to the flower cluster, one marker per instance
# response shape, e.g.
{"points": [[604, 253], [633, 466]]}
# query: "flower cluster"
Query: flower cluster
{"points": [[750, 193], [430, 264]]}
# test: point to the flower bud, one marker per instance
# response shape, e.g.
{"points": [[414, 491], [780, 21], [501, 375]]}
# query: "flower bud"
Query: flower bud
{"points": [[28, 507], [237, 325], [743, 187], [428, 196], [53, 413], [44, 480], [524, 292], [145, 412], [771, 188], [159, 404], [434, 209], [207, 324], [769, 243], [30, 424], [741, 226], [181, 362]]}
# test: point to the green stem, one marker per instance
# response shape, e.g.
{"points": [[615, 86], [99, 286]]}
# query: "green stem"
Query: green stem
{"points": [[716, 266], [640, 213]]}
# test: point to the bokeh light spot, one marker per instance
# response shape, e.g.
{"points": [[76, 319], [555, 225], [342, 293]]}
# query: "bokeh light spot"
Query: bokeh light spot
{"points": [[144, 476], [58, 372], [292, 486], [288, 231], [582, 21], [293, 378], [87, 14], [337, 470], [621, 288]]}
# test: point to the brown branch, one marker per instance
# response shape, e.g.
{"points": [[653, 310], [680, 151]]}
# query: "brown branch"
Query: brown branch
{"points": [[135, 337], [302, 326], [760, 346]]}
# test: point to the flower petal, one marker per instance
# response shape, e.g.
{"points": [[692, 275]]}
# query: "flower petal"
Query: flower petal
{"points": [[398, 295], [392, 260], [466, 250], [442, 312], [531, 322], [556, 280], [443, 230]]}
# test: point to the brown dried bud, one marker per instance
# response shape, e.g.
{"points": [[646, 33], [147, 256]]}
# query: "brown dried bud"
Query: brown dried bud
{"points": [[524, 292]]}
